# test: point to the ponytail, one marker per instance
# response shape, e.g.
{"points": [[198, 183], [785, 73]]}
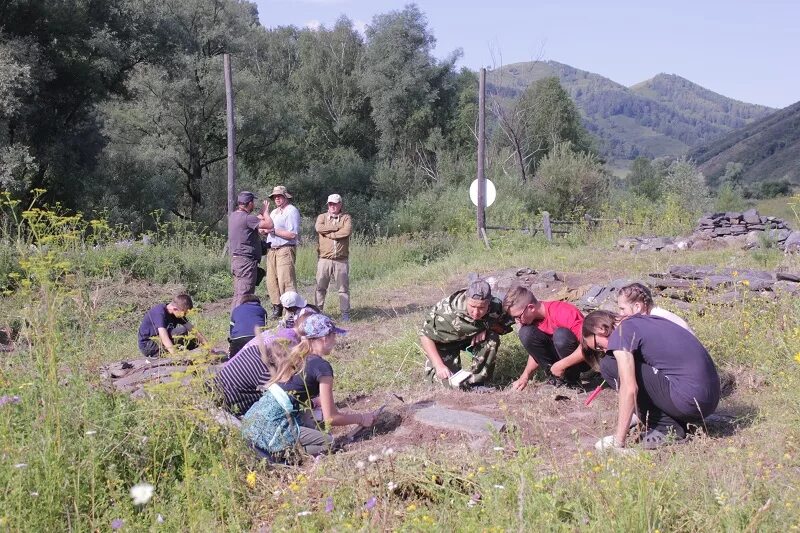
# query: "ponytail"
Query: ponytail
{"points": [[638, 293]]}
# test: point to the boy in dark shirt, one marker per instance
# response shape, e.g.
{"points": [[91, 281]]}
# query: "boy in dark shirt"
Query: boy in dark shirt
{"points": [[164, 326], [245, 318]]}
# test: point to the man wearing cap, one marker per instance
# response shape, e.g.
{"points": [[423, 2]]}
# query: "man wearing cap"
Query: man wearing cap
{"points": [[282, 240], [334, 229], [245, 244], [469, 319]]}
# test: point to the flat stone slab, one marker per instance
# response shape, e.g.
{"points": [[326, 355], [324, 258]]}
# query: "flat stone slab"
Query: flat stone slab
{"points": [[456, 420]]}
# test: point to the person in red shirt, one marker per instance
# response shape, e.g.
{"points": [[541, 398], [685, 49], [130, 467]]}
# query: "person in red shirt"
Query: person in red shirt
{"points": [[549, 331]]}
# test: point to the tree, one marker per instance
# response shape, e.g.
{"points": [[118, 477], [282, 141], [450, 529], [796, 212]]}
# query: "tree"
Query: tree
{"points": [[687, 184], [571, 183], [335, 111], [644, 179], [403, 80]]}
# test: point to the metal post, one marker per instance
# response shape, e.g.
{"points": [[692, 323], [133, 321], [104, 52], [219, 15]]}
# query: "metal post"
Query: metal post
{"points": [[481, 154], [226, 61]]}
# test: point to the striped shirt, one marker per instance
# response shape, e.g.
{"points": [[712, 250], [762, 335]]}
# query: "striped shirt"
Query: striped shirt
{"points": [[241, 378]]}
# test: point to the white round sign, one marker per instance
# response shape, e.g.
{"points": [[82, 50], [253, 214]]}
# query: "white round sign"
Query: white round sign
{"points": [[491, 192]]}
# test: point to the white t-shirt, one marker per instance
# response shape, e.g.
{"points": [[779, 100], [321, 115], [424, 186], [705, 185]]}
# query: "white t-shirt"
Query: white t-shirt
{"points": [[672, 317]]}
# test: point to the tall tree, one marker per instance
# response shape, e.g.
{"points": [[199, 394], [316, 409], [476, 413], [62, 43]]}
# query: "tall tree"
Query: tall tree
{"points": [[403, 80]]}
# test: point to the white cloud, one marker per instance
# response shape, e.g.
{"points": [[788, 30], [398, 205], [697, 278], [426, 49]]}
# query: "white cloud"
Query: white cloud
{"points": [[313, 25]]}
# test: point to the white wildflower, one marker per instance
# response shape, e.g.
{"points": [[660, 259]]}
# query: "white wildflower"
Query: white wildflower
{"points": [[160, 519], [90, 432], [141, 493], [304, 513], [360, 465], [372, 458], [501, 487], [391, 486], [21, 465], [388, 451]]}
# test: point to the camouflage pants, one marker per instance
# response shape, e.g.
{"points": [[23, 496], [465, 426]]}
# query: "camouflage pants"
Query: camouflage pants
{"points": [[484, 356]]}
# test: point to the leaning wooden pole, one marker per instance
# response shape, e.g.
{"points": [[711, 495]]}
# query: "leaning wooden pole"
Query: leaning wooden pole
{"points": [[226, 61], [481, 215]]}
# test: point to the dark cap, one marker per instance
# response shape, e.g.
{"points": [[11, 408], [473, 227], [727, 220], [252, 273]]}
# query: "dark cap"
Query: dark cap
{"points": [[245, 197], [479, 290]]}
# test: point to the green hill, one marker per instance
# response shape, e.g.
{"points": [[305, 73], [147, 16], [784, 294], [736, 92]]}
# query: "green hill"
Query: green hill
{"points": [[666, 115], [769, 149]]}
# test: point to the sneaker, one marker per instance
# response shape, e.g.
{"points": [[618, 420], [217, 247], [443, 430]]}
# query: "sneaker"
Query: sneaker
{"points": [[656, 438]]}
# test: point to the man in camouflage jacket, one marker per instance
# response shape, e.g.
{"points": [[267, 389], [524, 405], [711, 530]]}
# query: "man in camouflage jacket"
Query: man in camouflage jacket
{"points": [[469, 319]]}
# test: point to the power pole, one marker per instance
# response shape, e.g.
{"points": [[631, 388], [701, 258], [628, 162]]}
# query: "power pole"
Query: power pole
{"points": [[481, 155], [226, 62]]}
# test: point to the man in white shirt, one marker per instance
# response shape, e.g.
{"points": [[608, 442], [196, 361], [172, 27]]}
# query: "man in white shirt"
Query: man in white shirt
{"points": [[282, 240]]}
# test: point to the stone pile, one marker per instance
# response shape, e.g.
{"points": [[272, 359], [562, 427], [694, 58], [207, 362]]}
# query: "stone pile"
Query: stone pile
{"points": [[745, 230], [749, 224], [684, 285]]}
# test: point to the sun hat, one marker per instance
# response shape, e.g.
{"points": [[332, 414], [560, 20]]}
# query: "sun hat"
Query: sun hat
{"points": [[292, 299], [318, 326], [280, 190]]}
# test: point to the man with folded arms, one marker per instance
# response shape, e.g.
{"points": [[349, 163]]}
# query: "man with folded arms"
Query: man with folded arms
{"points": [[334, 229]]}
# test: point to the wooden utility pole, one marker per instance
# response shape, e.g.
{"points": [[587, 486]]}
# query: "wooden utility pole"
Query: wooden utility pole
{"points": [[226, 62], [481, 155]]}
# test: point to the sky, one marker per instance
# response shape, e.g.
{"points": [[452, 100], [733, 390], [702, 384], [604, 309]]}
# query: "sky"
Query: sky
{"points": [[742, 49]]}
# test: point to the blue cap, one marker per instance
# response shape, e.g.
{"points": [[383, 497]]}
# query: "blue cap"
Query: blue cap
{"points": [[318, 326]]}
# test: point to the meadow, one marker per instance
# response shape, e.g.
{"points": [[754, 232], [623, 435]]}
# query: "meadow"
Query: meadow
{"points": [[71, 451]]}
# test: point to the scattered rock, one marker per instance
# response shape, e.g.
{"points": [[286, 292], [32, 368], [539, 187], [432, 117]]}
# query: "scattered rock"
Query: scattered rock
{"points": [[456, 420]]}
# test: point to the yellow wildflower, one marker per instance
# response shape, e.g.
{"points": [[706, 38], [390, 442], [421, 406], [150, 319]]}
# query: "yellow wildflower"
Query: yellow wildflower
{"points": [[797, 357], [251, 480], [411, 507]]}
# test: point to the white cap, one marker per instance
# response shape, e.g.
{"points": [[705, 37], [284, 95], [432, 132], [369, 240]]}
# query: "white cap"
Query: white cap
{"points": [[334, 199], [292, 299]]}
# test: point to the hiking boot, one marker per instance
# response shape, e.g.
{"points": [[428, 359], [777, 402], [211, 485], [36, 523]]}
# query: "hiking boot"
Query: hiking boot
{"points": [[277, 311], [656, 438]]}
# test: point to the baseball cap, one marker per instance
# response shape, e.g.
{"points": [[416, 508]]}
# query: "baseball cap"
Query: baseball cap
{"points": [[318, 326], [292, 299], [245, 197], [479, 290], [334, 199]]}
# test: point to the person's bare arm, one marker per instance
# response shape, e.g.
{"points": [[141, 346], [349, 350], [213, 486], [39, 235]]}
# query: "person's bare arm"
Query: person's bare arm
{"points": [[166, 341], [572, 359], [525, 377], [332, 415], [429, 347], [627, 394]]}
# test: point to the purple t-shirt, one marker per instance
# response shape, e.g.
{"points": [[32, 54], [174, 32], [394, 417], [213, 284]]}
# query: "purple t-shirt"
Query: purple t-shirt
{"points": [[243, 235], [670, 349], [239, 378]]}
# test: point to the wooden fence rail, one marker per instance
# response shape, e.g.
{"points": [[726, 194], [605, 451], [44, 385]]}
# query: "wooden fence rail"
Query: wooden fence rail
{"points": [[551, 227]]}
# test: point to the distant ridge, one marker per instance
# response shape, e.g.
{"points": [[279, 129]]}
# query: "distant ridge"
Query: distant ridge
{"points": [[666, 115], [769, 149]]}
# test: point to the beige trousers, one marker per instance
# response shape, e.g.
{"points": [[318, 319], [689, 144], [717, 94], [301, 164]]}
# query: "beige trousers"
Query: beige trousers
{"points": [[339, 272], [280, 272]]}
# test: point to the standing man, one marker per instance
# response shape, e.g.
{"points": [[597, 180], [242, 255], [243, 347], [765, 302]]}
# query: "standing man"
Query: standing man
{"points": [[469, 319], [549, 331], [334, 229], [245, 244], [282, 239]]}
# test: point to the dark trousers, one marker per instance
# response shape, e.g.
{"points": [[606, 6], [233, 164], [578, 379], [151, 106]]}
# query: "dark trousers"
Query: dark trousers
{"points": [[178, 334], [237, 344], [653, 398], [548, 350]]}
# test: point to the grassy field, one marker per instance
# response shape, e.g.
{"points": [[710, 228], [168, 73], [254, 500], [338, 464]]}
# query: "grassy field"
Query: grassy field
{"points": [[71, 451]]}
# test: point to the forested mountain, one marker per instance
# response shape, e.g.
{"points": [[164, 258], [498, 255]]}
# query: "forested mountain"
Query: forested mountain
{"points": [[666, 115], [768, 150]]}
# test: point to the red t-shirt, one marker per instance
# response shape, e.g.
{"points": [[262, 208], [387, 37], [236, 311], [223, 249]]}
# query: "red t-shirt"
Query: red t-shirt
{"points": [[561, 315]]}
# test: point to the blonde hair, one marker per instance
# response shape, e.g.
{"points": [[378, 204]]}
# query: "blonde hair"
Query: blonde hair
{"points": [[637, 293], [518, 295], [282, 363], [597, 323]]}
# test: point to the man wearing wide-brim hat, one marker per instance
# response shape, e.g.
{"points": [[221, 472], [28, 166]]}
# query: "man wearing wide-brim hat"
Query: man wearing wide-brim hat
{"points": [[282, 240]]}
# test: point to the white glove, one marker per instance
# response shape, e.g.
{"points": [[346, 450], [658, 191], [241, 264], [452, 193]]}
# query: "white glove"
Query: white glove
{"points": [[610, 443]]}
